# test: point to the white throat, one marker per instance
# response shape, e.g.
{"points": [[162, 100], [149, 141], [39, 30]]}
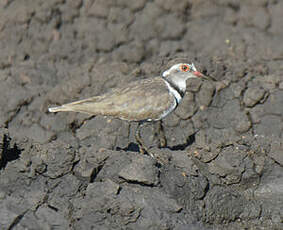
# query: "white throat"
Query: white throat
{"points": [[181, 83], [178, 82]]}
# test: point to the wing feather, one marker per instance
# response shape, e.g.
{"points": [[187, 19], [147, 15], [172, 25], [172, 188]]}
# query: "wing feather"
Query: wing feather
{"points": [[139, 100]]}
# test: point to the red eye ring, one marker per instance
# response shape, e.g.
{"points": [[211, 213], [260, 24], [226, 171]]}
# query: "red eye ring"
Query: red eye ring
{"points": [[185, 68]]}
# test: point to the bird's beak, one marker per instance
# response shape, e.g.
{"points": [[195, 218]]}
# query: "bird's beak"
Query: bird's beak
{"points": [[202, 76], [198, 74]]}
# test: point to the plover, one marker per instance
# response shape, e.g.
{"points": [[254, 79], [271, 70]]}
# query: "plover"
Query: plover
{"points": [[145, 100]]}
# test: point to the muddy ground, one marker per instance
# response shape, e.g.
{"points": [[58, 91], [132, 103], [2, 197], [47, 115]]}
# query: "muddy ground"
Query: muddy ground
{"points": [[223, 164]]}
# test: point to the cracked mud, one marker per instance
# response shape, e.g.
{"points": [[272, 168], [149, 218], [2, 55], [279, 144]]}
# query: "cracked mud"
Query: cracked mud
{"points": [[223, 164]]}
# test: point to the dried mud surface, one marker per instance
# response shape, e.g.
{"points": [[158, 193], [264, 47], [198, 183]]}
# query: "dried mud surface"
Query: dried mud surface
{"points": [[223, 167]]}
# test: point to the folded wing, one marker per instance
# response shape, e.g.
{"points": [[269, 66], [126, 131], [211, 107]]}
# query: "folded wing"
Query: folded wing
{"points": [[146, 99]]}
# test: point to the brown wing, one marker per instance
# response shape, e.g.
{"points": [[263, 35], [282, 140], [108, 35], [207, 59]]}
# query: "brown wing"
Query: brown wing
{"points": [[139, 100]]}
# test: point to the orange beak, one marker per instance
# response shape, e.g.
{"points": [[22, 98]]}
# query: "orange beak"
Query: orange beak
{"points": [[198, 74]]}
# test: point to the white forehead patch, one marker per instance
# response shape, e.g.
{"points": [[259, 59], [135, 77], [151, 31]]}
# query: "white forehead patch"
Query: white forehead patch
{"points": [[193, 67]]}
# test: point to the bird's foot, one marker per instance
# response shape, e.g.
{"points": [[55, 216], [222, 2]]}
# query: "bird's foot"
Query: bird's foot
{"points": [[162, 141], [144, 150]]}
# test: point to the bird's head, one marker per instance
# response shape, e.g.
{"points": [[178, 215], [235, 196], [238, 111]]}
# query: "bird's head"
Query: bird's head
{"points": [[178, 74]]}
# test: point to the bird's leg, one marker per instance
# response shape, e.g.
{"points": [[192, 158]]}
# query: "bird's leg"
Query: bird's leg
{"points": [[161, 134], [142, 146], [139, 139]]}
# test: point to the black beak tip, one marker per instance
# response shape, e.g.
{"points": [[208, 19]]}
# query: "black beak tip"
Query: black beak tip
{"points": [[209, 78], [203, 76]]}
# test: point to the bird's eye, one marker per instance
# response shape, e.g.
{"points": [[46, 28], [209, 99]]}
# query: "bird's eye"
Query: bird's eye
{"points": [[185, 68]]}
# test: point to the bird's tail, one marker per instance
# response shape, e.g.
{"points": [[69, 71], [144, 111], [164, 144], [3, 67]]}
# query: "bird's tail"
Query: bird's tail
{"points": [[83, 106], [59, 109]]}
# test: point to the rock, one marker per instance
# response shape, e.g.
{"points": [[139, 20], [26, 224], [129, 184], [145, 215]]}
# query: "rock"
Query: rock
{"points": [[274, 103], [276, 151], [134, 6], [244, 124], [178, 137], [107, 188], [187, 108], [140, 170], [61, 189], [91, 161], [7, 216], [177, 7], [224, 205], [205, 95], [271, 187], [104, 132], [172, 120], [228, 165], [3, 136], [54, 159], [194, 85], [253, 95], [34, 132], [50, 217], [269, 125]]}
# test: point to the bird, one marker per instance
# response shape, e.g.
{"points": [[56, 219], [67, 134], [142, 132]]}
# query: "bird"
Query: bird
{"points": [[143, 101]]}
